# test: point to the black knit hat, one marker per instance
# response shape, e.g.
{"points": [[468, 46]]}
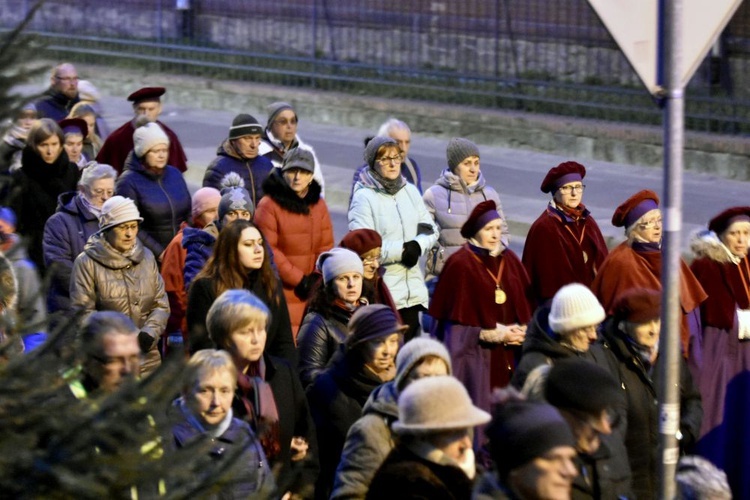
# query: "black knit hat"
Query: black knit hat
{"points": [[522, 431], [580, 385], [243, 125]]}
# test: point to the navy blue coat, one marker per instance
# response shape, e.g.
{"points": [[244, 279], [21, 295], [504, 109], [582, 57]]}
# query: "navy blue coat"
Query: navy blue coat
{"points": [[54, 105], [253, 171], [65, 234], [162, 199]]}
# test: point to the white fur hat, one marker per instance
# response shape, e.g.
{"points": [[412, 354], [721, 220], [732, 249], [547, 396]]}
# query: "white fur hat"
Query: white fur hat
{"points": [[148, 136], [574, 306]]}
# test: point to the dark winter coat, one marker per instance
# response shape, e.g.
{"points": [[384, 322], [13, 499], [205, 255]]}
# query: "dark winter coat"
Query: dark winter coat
{"points": [[37, 185], [252, 170], [641, 388], [404, 474], [65, 235], [163, 200], [294, 420], [279, 341], [248, 474], [198, 245], [54, 105], [336, 398]]}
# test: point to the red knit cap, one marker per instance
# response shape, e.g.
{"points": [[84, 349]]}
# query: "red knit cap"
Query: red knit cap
{"points": [[634, 207], [361, 241], [482, 214], [638, 305], [569, 171], [147, 94], [721, 222]]}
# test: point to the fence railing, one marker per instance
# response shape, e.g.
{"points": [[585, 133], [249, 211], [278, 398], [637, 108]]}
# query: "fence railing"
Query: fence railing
{"points": [[529, 55]]}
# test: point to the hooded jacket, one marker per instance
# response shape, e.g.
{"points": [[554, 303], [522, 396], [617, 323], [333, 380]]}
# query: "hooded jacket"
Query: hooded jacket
{"points": [[65, 235], [162, 199], [252, 170], [274, 150]]}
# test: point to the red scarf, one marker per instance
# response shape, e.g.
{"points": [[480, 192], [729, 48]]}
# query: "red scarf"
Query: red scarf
{"points": [[257, 397]]}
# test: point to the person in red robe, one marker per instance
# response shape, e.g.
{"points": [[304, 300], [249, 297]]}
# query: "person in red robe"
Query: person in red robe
{"points": [[564, 245], [636, 263], [147, 107], [481, 306], [722, 267]]}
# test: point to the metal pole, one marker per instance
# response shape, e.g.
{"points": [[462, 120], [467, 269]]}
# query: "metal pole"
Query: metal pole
{"points": [[670, 65]]}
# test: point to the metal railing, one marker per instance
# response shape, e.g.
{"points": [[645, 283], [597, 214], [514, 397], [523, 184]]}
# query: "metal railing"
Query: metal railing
{"points": [[528, 55]]}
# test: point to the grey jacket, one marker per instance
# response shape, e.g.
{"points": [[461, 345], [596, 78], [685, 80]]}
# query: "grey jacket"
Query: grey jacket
{"points": [[450, 202], [106, 280], [368, 442]]}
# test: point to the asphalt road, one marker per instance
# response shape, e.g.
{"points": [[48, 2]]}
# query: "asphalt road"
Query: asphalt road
{"points": [[516, 174]]}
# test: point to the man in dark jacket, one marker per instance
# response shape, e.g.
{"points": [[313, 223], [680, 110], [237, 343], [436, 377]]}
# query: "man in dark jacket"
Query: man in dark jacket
{"points": [[61, 95], [239, 153]]}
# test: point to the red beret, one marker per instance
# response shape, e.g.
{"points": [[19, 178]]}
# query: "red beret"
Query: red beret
{"points": [[74, 126], [638, 305], [480, 216], [569, 171], [634, 207], [721, 222], [361, 241], [147, 94]]}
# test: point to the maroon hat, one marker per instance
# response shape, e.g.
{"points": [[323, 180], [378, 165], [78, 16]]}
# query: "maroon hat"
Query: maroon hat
{"points": [[634, 207], [482, 214], [74, 126], [147, 94], [361, 241], [569, 171], [637, 305], [721, 222]]}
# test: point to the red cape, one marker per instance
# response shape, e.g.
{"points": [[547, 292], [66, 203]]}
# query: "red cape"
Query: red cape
{"points": [[120, 143], [725, 289], [465, 292], [553, 257]]}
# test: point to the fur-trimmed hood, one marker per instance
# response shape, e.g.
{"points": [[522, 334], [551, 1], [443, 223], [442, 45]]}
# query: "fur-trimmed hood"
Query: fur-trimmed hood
{"points": [[706, 243], [276, 187]]}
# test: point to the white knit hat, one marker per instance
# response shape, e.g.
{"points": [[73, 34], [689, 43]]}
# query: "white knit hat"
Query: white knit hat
{"points": [[148, 136], [436, 404], [416, 350], [339, 261], [118, 210], [574, 306]]}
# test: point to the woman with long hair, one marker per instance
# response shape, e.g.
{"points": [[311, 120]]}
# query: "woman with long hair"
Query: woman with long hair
{"points": [[240, 260]]}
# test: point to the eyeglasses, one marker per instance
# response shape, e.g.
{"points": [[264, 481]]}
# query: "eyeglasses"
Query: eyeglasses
{"points": [[283, 122], [393, 160], [372, 260], [651, 223], [67, 78], [569, 189]]}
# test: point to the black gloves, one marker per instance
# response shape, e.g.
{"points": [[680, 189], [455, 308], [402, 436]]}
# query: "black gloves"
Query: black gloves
{"points": [[411, 253], [307, 286], [145, 341]]}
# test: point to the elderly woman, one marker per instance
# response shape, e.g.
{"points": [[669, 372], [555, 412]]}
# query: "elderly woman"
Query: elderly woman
{"points": [[384, 202], [45, 174], [565, 230], [632, 336], [636, 263], [74, 132], [115, 272], [68, 230], [366, 243], [204, 412], [325, 325], [338, 395], [295, 220], [459, 189], [723, 269], [370, 439], [482, 329], [269, 395], [240, 260], [158, 189]]}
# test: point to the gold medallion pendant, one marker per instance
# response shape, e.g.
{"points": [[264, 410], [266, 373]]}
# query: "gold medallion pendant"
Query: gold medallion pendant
{"points": [[500, 296]]}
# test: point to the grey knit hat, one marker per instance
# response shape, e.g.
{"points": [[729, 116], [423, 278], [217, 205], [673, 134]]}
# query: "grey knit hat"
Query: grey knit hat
{"points": [[458, 150], [243, 125], [371, 150], [415, 351], [298, 158], [274, 109], [574, 306], [338, 261], [435, 404], [118, 210], [234, 196]]}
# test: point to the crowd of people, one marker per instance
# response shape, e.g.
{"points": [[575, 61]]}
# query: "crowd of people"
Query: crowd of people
{"points": [[418, 358]]}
